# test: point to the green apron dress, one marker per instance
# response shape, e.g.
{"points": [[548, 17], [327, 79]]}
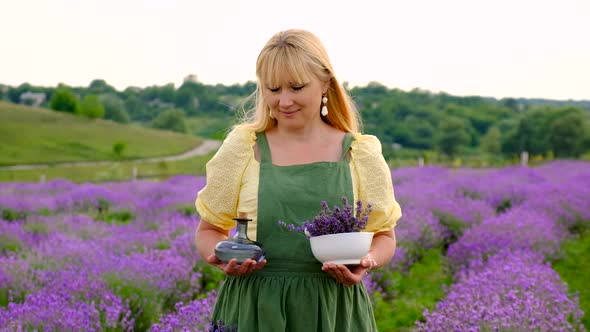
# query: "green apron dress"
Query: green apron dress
{"points": [[292, 293]]}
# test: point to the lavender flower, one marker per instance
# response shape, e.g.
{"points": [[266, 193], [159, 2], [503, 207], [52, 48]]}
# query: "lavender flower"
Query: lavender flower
{"points": [[516, 229], [193, 316], [512, 291], [333, 221], [219, 326]]}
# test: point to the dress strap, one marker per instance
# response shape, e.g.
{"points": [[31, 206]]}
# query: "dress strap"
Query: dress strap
{"points": [[263, 148], [346, 143]]}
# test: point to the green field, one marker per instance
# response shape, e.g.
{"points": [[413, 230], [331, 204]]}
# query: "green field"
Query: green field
{"points": [[40, 136], [116, 171]]}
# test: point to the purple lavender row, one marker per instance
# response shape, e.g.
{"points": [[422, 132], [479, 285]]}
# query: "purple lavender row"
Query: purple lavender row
{"points": [[511, 291], [514, 289]]}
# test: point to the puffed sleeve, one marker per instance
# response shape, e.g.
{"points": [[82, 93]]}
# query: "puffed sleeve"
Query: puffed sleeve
{"points": [[217, 202], [372, 183]]}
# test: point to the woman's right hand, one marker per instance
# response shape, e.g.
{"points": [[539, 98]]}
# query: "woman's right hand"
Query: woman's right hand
{"points": [[232, 268]]}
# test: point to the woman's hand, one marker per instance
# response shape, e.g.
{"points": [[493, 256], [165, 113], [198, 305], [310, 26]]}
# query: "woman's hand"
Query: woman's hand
{"points": [[232, 268], [352, 275]]}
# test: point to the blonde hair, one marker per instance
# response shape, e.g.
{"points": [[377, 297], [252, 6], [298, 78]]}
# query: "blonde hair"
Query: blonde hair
{"points": [[301, 55]]}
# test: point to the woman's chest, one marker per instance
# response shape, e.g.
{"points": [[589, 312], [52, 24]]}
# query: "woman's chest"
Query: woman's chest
{"points": [[298, 155]]}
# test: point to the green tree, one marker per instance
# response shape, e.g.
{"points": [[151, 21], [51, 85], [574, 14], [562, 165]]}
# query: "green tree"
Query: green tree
{"points": [[114, 108], [510, 143], [91, 107], [172, 119], [492, 141], [118, 148], [100, 86], [510, 103], [164, 93], [64, 100], [586, 139], [531, 134], [134, 106], [420, 133], [566, 135], [185, 98], [452, 136]]}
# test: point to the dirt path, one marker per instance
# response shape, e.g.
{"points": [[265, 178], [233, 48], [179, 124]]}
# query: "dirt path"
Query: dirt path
{"points": [[205, 147]]}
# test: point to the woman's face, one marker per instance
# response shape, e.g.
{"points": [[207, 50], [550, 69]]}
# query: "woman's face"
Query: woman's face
{"points": [[295, 104]]}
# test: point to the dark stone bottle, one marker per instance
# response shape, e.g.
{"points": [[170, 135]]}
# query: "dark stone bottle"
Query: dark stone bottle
{"points": [[240, 246]]}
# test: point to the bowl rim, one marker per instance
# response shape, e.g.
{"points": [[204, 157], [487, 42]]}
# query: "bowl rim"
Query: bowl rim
{"points": [[333, 235]]}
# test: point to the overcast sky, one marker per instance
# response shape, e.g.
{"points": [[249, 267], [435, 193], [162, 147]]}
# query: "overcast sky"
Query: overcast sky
{"points": [[496, 48]]}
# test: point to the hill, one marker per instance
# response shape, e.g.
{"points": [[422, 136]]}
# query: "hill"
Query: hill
{"points": [[34, 135]]}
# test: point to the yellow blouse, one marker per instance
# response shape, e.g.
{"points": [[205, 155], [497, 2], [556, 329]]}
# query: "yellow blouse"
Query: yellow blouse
{"points": [[232, 182]]}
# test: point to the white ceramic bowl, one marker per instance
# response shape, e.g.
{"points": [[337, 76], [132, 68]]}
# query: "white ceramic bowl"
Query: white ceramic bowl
{"points": [[342, 248]]}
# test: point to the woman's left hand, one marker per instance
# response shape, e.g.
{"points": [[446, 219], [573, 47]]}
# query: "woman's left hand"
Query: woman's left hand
{"points": [[346, 275]]}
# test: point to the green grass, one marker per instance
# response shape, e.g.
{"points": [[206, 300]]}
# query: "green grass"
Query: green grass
{"points": [[574, 269], [34, 135], [145, 301], [4, 297], [12, 215], [9, 244], [411, 292], [119, 171]]}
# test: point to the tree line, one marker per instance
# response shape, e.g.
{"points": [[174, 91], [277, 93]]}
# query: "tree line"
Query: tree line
{"points": [[409, 123], [455, 125]]}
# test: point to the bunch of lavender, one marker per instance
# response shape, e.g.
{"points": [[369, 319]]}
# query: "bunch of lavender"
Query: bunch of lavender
{"points": [[338, 220]]}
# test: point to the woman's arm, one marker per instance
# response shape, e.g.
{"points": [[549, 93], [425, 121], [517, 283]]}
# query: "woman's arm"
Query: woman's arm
{"points": [[382, 249], [380, 254], [207, 236]]}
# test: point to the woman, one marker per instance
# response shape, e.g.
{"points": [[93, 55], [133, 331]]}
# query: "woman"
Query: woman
{"points": [[300, 145]]}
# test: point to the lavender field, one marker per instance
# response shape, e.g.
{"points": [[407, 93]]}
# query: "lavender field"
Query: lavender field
{"points": [[120, 256]]}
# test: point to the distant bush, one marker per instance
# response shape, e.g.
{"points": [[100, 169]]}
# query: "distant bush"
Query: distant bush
{"points": [[118, 148], [114, 108], [171, 119], [64, 100], [91, 107]]}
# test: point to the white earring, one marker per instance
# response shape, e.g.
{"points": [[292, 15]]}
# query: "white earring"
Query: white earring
{"points": [[324, 107], [270, 114]]}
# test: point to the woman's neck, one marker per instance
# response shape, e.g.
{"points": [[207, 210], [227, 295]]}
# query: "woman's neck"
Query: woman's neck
{"points": [[303, 134], [303, 146]]}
